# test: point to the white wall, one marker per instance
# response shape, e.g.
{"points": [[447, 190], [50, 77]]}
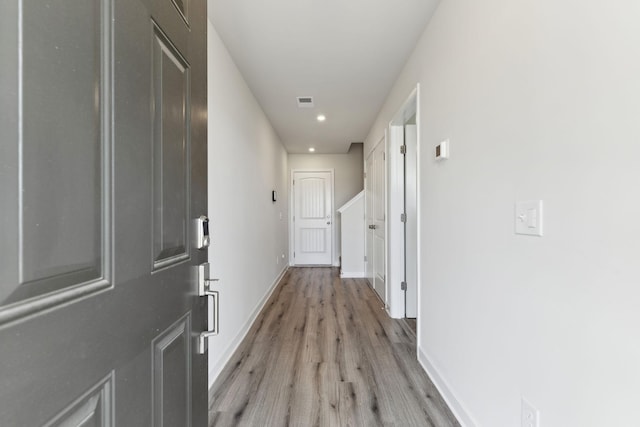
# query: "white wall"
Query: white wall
{"points": [[349, 179], [249, 232], [352, 237], [541, 100]]}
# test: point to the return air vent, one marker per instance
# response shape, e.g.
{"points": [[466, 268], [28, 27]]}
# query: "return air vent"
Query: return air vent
{"points": [[305, 102]]}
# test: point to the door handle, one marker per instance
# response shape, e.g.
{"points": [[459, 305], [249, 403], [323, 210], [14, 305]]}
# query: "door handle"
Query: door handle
{"points": [[372, 227], [205, 290], [328, 222]]}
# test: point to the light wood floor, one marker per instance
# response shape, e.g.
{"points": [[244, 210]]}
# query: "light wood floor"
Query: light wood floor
{"points": [[324, 353]]}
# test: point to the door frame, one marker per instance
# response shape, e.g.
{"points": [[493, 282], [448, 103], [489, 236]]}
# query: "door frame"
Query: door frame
{"points": [[395, 229], [292, 209]]}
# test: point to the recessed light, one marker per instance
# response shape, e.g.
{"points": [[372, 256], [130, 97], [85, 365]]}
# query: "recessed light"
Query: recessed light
{"points": [[321, 118], [311, 150]]}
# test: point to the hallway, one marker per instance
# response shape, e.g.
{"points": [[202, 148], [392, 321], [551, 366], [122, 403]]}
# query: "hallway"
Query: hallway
{"points": [[323, 352]]}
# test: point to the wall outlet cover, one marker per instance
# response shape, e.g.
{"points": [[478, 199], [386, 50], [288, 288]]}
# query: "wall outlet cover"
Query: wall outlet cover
{"points": [[530, 416]]}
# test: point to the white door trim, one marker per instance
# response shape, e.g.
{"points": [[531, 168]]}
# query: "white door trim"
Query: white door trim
{"points": [[395, 243], [292, 242]]}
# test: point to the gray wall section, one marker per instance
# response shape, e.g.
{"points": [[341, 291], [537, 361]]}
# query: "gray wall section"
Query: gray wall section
{"points": [[348, 177]]}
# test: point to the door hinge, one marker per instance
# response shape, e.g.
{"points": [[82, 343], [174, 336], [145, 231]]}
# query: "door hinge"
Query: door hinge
{"points": [[384, 156], [294, 182], [365, 175], [365, 258], [403, 149], [294, 254], [294, 218], [403, 286], [403, 217]]}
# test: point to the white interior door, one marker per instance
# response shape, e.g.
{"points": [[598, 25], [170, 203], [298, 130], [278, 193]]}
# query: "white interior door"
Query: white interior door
{"points": [[375, 216], [313, 218], [379, 223], [411, 224], [369, 199]]}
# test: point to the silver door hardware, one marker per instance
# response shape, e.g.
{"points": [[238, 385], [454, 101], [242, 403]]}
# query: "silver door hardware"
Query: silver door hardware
{"points": [[403, 286], [403, 217], [328, 222], [205, 290], [202, 226], [372, 227]]}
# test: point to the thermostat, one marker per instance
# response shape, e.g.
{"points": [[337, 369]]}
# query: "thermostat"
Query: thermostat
{"points": [[442, 150]]}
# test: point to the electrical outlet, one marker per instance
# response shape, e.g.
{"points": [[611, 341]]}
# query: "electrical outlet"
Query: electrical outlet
{"points": [[530, 416]]}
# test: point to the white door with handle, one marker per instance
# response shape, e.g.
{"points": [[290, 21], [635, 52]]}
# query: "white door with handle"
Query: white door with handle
{"points": [[376, 221], [312, 217]]}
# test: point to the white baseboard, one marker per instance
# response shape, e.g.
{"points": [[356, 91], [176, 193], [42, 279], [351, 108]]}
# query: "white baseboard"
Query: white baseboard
{"points": [[235, 343], [461, 414], [351, 275]]}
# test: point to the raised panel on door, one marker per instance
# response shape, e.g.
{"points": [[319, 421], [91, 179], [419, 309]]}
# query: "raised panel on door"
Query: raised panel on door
{"points": [[94, 408], [172, 375], [61, 105], [313, 218], [171, 144], [83, 301]]}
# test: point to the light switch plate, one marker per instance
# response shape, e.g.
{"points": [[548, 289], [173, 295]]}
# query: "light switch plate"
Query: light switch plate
{"points": [[529, 217]]}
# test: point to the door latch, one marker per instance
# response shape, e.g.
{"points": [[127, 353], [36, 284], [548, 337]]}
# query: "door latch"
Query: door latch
{"points": [[205, 289]]}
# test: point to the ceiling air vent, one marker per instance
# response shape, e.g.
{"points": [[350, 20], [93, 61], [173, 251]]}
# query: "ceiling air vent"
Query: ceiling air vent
{"points": [[305, 102]]}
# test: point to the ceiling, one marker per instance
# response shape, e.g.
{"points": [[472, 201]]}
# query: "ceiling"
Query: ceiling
{"points": [[346, 54]]}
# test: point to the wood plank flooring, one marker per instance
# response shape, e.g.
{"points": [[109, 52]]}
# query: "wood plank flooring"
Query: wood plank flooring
{"points": [[324, 353], [412, 325]]}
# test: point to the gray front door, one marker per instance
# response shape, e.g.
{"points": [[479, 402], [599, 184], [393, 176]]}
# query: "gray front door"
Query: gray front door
{"points": [[102, 171]]}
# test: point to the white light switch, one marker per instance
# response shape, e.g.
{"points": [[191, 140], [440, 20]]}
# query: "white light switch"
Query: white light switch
{"points": [[529, 217]]}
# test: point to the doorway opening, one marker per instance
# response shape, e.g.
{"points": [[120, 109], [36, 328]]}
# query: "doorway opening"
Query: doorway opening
{"points": [[404, 226]]}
